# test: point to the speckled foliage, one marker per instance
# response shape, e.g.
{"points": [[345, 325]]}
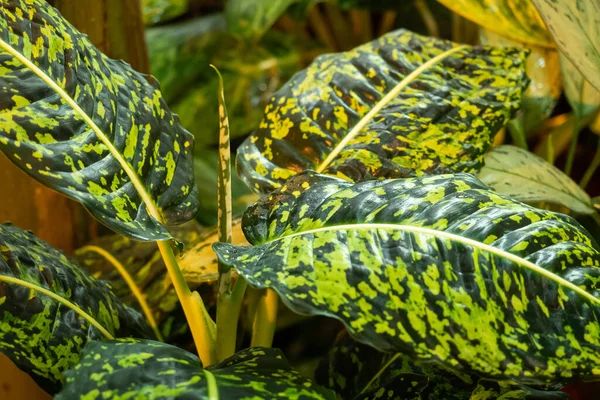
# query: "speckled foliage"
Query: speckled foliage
{"points": [[151, 370], [100, 120], [45, 338], [439, 268], [357, 371], [443, 121]]}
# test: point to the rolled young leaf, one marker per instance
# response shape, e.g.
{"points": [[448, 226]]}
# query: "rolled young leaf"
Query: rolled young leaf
{"points": [[439, 268], [522, 175], [40, 335], [401, 105], [90, 127], [152, 370]]}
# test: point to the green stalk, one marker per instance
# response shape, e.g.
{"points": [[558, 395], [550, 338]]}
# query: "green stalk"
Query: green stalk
{"points": [[137, 293], [263, 329], [201, 325], [573, 147], [428, 18], [515, 127], [591, 170]]}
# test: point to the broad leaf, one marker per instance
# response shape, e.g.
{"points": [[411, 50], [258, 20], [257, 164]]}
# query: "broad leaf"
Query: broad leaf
{"points": [[152, 370], [155, 11], [357, 371], [180, 53], [582, 96], [401, 105], [91, 127], [575, 26], [522, 175], [544, 90], [439, 268], [42, 336], [515, 19], [251, 19]]}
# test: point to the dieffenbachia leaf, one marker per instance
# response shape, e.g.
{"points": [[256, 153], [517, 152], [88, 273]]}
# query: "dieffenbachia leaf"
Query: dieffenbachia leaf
{"points": [[155, 11], [358, 371], [90, 127], [401, 105], [355, 370], [439, 268], [516, 19], [581, 95], [517, 173], [152, 370], [544, 90], [43, 298], [251, 19], [575, 26]]}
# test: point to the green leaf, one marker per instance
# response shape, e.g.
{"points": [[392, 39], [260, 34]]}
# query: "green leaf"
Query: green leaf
{"points": [[155, 11], [252, 19], [545, 88], [522, 175], [43, 296], [180, 53], [152, 370], [401, 105], [439, 268], [516, 19], [355, 370], [583, 97], [575, 26], [90, 127]]}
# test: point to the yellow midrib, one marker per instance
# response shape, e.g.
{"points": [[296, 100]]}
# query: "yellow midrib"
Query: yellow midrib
{"points": [[382, 103], [456, 238], [135, 179]]}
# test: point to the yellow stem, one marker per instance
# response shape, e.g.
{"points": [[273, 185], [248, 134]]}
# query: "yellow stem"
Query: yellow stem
{"points": [[265, 320]]}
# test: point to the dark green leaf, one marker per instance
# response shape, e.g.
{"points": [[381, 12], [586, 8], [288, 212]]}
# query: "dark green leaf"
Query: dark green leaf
{"points": [[152, 370], [439, 268], [41, 336], [90, 127], [154, 11], [350, 115]]}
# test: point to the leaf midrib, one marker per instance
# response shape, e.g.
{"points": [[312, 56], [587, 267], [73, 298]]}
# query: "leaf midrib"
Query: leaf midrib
{"points": [[134, 178], [383, 102], [453, 237]]}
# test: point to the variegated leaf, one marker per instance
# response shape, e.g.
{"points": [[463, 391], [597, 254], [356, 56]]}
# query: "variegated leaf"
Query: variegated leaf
{"points": [[90, 127], [42, 336], [515, 19], [150, 370], [575, 26], [582, 96], [439, 268], [357, 371], [522, 175], [401, 105], [251, 19]]}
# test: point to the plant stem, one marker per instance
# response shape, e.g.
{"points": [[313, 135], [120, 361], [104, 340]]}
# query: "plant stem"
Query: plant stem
{"points": [[573, 147], [339, 26], [201, 326], [263, 329], [515, 127], [387, 22], [228, 314], [361, 25], [319, 26], [132, 286], [428, 18], [591, 170]]}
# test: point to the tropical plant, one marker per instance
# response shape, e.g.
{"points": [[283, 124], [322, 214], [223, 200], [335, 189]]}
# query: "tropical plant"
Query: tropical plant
{"points": [[381, 200]]}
